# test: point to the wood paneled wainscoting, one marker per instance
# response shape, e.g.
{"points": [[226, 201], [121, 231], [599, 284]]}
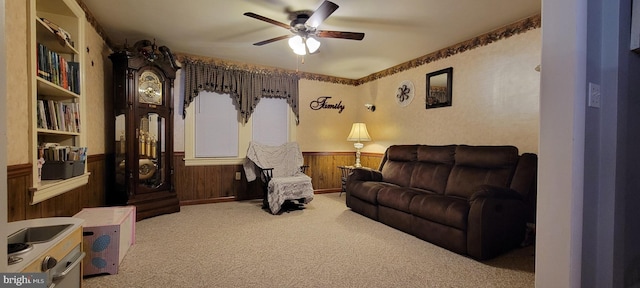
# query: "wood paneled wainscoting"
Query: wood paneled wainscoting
{"points": [[193, 184], [66, 204], [211, 184], [324, 172]]}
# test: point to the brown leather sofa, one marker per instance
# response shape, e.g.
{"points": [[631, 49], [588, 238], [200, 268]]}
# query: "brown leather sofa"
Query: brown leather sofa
{"points": [[473, 200]]}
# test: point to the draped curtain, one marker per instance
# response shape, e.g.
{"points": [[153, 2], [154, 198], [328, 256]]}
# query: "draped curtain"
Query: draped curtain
{"points": [[245, 87]]}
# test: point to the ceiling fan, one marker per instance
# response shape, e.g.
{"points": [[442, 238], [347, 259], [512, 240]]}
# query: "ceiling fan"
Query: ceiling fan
{"points": [[304, 26]]}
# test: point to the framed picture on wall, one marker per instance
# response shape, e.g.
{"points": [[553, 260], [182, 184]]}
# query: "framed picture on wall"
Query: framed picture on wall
{"points": [[439, 85]]}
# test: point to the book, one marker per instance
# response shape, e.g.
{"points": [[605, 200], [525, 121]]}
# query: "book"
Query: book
{"points": [[63, 36], [42, 115], [52, 115], [75, 76], [77, 114]]}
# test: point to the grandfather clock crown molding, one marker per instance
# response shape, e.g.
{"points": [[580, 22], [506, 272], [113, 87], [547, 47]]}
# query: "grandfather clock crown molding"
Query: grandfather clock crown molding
{"points": [[145, 52]]}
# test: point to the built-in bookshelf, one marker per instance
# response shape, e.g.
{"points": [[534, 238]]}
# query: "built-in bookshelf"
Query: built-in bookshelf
{"points": [[56, 28]]}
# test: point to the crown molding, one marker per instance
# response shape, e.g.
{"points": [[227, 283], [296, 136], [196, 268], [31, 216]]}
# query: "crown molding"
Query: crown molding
{"points": [[94, 23], [516, 28]]}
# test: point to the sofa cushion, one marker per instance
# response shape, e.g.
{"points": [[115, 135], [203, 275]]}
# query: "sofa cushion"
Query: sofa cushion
{"points": [[398, 163], [436, 154], [449, 211], [404, 153], [397, 197], [398, 172], [433, 167], [478, 165], [367, 190], [486, 156]]}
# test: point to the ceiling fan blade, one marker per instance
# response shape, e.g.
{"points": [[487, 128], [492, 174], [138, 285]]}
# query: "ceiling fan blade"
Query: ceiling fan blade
{"points": [[340, 34], [271, 40], [268, 20], [322, 13]]}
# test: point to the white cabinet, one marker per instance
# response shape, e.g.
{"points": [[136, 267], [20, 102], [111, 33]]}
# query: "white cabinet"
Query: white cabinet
{"points": [[56, 97]]}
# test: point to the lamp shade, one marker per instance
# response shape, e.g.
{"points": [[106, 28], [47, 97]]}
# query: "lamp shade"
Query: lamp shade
{"points": [[312, 44], [297, 45], [359, 133]]}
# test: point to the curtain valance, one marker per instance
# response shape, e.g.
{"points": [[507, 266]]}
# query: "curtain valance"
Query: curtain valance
{"points": [[246, 87]]}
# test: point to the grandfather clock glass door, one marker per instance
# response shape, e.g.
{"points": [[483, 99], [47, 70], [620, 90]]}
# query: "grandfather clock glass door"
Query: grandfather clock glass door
{"points": [[152, 168], [121, 159]]}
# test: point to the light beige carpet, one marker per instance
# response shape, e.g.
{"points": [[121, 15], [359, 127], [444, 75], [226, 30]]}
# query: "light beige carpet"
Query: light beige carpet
{"points": [[237, 244]]}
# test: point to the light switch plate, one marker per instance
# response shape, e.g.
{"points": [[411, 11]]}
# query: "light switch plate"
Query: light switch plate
{"points": [[595, 97]]}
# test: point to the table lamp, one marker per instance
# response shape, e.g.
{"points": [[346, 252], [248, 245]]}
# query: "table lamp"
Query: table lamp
{"points": [[358, 134]]}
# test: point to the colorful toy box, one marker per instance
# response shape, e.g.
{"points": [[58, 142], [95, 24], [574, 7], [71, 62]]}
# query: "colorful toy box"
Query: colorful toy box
{"points": [[108, 233]]}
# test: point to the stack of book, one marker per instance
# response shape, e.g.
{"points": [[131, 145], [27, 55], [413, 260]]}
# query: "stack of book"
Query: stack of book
{"points": [[57, 115], [58, 70], [63, 153], [61, 162]]}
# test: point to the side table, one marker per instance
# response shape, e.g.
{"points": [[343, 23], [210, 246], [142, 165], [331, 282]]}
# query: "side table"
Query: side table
{"points": [[345, 170]]}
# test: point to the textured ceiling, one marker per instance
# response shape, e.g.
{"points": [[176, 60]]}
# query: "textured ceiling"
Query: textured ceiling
{"points": [[395, 31]]}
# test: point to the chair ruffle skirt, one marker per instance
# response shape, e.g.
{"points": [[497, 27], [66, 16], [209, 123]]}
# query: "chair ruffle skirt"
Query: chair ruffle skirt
{"points": [[289, 188]]}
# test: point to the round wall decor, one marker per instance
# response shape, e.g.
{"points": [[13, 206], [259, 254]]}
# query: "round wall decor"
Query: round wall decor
{"points": [[405, 93]]}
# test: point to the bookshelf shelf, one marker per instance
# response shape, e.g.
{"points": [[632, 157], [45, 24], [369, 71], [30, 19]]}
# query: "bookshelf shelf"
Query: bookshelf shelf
{"points": [[52, 188], [57, 132], [48, 37], [56, 29], [52, 91]]}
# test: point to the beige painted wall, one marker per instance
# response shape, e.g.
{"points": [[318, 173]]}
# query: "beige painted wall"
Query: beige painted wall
{"points": [[495, 102], [98, 80], [327, 129], [18, 83]]}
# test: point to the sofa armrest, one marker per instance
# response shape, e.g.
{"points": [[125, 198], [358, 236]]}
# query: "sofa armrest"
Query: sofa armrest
{"points": [[357, 179], [496, 221], [495, 192], [365, 174]]}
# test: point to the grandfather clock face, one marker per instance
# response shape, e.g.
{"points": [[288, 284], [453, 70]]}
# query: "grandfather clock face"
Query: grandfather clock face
{"points": [[150, 88]]}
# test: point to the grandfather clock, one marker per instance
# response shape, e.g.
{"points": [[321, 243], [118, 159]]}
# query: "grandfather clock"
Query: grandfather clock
{"points": [[143, 77]]}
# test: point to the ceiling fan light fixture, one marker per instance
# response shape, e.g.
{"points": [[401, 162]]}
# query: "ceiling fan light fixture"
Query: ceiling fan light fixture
{"points": [[312, 44], [304, 25], [300, 51], [295, 42]]}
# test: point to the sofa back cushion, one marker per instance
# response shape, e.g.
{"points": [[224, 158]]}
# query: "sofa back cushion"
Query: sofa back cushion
{"points": [[398, 165], [478, 165], [432, 168], [419, 166]]}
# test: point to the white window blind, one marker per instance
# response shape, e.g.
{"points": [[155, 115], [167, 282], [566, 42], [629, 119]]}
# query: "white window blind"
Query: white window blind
{"points": [[271, 121], [216, 126]]}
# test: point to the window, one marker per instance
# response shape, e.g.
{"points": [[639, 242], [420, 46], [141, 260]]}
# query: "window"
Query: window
{"points": [[270, 121], [215, 116], [214, 135]]}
